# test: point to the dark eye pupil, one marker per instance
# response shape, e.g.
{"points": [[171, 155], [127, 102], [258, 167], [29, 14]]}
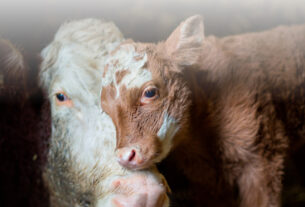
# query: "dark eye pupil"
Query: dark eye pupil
{"points": [[150, 93], [60, 97]]}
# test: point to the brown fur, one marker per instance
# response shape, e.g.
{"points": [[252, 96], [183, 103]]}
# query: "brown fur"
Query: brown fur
{"points": [[119, 75], [239, 101], [24, 130], [13, 72]]}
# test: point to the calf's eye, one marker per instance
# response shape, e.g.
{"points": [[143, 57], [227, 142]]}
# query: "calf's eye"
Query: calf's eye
{"points": [[150, 93]]}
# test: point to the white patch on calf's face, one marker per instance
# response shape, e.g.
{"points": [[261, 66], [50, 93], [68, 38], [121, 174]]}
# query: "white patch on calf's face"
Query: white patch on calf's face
{"points": [[168, 128], [166, 133], [127, 59], [136, 78]]}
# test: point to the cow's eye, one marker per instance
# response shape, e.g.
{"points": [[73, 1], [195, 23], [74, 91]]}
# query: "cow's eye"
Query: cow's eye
{"points": [[63, 100], [61, 97], [150, 93]]}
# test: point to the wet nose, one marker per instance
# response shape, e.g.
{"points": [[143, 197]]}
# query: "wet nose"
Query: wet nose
{"points": [[129, 157]]}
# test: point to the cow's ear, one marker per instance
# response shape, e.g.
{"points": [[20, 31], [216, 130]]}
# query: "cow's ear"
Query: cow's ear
{"points": [[184, 45]]}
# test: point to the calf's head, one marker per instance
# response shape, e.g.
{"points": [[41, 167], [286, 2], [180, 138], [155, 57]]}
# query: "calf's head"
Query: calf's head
{"points": [[144, 92]]}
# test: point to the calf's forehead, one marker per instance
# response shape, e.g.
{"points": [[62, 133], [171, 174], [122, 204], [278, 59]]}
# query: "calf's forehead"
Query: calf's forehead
{"points": [[126, 68]]}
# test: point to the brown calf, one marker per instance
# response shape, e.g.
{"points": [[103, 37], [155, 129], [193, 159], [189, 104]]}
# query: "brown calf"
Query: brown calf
{"points": [[222, 110]]}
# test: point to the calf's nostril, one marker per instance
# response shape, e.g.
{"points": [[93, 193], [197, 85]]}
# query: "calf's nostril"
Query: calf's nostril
{"points": [[129, 157], [132, 155]]}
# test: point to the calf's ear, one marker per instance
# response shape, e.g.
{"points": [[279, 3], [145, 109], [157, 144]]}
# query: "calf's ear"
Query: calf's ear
{"points": [[184, 45]]}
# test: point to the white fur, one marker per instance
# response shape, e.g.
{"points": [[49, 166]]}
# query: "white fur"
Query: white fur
{"points": [[166, 133], [124, 59], [168, 128], [91, 132], [98, 35], [67, 66]]}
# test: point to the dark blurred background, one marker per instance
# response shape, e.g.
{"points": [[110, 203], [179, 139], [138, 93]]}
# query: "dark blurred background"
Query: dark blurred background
{"points": [[31, 25]]}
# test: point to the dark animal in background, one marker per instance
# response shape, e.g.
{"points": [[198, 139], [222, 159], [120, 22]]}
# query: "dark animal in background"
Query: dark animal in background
{"points": [[24, 130]]}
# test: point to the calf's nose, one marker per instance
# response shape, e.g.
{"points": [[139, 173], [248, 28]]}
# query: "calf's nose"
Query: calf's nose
{"points": [[129, 157]]}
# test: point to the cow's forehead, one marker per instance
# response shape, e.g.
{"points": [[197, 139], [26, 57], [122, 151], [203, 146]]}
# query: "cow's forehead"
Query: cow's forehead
{"points": [[126, 67], [76, 72]]}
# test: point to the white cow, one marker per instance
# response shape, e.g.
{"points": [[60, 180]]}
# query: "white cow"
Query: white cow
{"points": [[82, 169]]}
